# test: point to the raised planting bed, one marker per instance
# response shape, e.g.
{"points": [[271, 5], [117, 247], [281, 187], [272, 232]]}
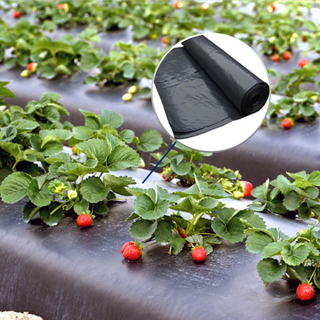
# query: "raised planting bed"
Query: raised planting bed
{"points": [[269, 152], [70, 273]]}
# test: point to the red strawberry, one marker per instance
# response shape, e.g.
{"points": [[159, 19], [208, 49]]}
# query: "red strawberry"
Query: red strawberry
{"points": [[303, 38], [177, 4], [275, 57], [287, 55], [164, 40], [16, 14], [199, 254], [60, 6], [305, 292], [126, 245], [303, 62], [132, 253], [273, 7], [84, 220], [164, 174], [32, 66], [247, 188], [287, 123], [182, 233]]}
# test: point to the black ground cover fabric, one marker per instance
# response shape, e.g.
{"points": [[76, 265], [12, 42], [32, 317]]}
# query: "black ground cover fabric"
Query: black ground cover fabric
{"points": [[203, 88]]}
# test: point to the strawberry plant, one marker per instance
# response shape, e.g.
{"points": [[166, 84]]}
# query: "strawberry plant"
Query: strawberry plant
{"points": [[291, 258], [198, 219], [65, 55], [181, 163], [278, 32], [127, 63], [292, 83], [289, 197], [5, 93], [17, 41], [300, 107], [101, 126], [35, 164]]}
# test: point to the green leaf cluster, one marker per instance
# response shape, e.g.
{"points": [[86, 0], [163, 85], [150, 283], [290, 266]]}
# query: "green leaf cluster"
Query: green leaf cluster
{"points": [[296, 195]]}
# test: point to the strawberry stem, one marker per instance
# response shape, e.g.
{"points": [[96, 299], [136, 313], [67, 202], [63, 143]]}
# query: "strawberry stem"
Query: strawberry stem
{"points": [[309, 282]]}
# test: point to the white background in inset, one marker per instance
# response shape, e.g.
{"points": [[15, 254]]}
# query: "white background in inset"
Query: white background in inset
{"points": [[235, 132]]}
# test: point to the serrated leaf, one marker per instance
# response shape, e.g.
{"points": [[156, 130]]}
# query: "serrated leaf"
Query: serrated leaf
{"points": [[51, 219], [163, 232], [146, 209], [142, 229], [295, 255], [261, 191], [273, 249], [211, 240], [304, 211], [60, 134], [195, 239], [93, 190], [117, 181], [150, 140], [15, 187], [111, 119], [24, 125], [312, 192], [232, 231], [39, 194], [29, 211], [291, 201], [314, 178], [298, 272], [127, 135], [82, 133], [81, 207], [271, 270], [96, 149], [257, 242], [123, 157], [257, 206], [285, 185], [177, 244]]}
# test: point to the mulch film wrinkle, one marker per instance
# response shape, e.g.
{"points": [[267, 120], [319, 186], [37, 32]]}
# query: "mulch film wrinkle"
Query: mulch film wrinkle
{"points": [[203, 88]]}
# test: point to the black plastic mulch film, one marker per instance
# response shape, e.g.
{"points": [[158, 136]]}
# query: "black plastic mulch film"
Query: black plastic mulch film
{"points": [[203, 88]]}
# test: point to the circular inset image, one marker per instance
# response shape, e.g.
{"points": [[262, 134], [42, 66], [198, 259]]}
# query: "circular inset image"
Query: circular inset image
{"points": [[211, 92]]}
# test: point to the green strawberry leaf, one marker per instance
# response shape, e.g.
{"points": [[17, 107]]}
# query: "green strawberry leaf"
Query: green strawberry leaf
{"points": [[295, 255], [29, 211], [142, 229], [123, 157], [270, 270], [291, 201], [177, 244], [146, 209], [150, 140], [257, 242], [39, 193], [81, 207], [96, 149], [163, 232], [51, 219], [15, 187], [93, 190], [111, 119]]}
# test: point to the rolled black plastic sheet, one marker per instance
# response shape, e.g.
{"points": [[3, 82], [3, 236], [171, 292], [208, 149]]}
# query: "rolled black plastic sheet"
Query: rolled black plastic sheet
{"points": [[202, 88]]}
